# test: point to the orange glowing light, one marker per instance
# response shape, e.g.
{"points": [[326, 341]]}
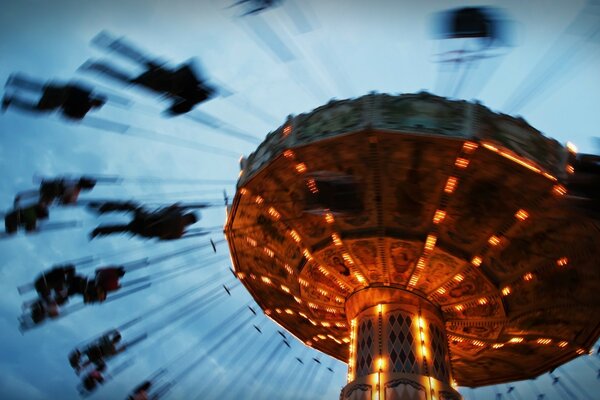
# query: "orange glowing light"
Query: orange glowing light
{"points": [[494, 240], [476, 261], [323, 270], [528, 276], [413, 280], [307, 254], [288, 269], [251, 241], [312, 186], [336, 239], [571, 148], [299, 301], [266, 280], [313, 306], [580, 351], [561, 262], [482, 301], [441, 290], [287, 130], [478, 343], [430, 242], [439, 216], [506, 291], [274, 213], [289, 154], [288, 311], [301, 168], [285, 288], [303, 282], [563, 344], [461, 162], [420, 264], [544, 341], [459, 307], [497, 345], [516, 340], [559, 190], [259, 200], [243, 191], [326, 324], [347, 258], [321, 336], [359, 277], [329, 218], [469, 147], [521, 215], [278, 310], [294, 236], [459, 278], [570, 169], [451, 184], [269, 252]]}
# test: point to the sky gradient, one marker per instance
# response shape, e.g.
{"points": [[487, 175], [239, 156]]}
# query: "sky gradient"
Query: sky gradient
{"points": [[352, 47]]}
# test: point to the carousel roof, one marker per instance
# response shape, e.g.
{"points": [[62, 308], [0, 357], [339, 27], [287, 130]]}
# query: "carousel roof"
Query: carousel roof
{"points": [[446, 199]]}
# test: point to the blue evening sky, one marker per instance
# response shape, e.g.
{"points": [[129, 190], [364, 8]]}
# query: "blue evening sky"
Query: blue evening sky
{"points": [[351, 47]]}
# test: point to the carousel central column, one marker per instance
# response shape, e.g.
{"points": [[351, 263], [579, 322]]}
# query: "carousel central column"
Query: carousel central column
{"points": [[398, 348]]}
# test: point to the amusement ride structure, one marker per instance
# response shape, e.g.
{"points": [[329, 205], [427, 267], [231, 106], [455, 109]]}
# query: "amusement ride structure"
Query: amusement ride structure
{"points": [[428, 243]]}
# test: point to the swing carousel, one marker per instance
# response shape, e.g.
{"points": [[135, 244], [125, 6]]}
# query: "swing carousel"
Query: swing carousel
{"points": [[426, 242]]}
